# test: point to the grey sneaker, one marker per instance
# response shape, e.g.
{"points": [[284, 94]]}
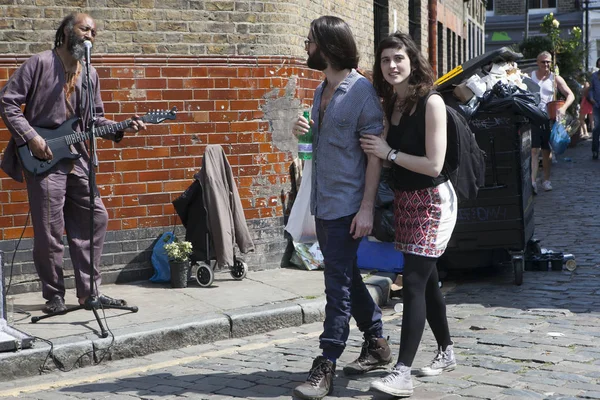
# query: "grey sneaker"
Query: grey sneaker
{"points": [[375, 353], [319, 382], [442, 362], [397, 383]]}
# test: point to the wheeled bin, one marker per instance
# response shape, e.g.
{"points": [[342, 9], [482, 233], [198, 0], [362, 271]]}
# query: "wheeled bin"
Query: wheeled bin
{"points": [[497, 227]]}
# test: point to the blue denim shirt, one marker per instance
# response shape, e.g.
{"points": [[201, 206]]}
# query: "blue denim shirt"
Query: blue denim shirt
{"points": [[339, 163], [594, 92]]}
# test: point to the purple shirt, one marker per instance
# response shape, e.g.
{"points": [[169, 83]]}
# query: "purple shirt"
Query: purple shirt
{"points": [[39, 84]]}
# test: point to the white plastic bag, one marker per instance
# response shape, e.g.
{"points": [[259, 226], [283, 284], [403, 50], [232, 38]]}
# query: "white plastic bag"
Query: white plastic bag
{"points": [[301, 224]]}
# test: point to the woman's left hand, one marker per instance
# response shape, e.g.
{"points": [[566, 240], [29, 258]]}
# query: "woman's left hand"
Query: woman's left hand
{"points": [[375, 145]]}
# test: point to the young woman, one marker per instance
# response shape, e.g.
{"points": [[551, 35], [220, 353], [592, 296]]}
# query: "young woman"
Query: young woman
{"points": [[425, 204]]}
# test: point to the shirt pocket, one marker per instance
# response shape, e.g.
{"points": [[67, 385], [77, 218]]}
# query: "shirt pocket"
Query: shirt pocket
{"points": [[344, 128]]}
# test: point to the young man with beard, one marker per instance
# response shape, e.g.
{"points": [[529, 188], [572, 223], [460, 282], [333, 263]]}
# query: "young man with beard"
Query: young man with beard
{"points": [[50, 85], [344, 185]]}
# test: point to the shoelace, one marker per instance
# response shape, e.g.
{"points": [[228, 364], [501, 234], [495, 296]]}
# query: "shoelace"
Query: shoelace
{"points": [[392, 376], [317, 373], [364, 352]]}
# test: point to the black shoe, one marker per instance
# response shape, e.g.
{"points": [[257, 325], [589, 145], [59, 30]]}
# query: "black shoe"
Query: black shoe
{"points": [[319, 382], [55, 305], [595, 155], [375, 354]]}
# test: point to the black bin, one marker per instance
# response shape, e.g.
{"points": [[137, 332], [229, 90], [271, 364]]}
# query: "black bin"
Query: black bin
{"points": [[498, 225]]}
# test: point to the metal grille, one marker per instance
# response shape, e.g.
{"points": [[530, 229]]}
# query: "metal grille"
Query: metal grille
{"points": [[381, 21]]}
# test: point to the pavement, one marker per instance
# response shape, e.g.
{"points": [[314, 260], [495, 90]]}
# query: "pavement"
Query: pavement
{"points": [[547, 329]]}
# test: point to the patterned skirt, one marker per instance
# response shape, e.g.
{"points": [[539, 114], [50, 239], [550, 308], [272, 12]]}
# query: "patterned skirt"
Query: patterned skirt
{"points": [[425, 219]]}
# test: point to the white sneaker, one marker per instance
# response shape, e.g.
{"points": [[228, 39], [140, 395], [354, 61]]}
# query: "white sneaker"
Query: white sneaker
{"points": [[547, 186], [534, 187], [397, 383], [442, 362]]}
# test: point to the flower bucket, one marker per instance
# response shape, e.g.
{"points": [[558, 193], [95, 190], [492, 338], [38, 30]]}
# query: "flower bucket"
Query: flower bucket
{"points": [[553, 106], [179, 273]]}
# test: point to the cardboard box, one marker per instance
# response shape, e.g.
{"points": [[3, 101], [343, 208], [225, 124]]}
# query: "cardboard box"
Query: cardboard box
{"points": [[463, 93]]}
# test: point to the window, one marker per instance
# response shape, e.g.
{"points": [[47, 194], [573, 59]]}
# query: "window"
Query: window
{"points": [[459, 50], [381, 21], [541, 4], [449, 65], [440, 49], [489, 7]]}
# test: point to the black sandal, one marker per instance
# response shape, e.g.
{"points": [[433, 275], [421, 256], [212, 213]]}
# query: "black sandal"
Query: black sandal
{"points": [[55, 305], [109, 301]]}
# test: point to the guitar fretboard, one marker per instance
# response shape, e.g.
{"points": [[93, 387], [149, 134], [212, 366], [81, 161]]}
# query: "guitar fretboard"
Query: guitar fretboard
{"points": [[77, 137]]}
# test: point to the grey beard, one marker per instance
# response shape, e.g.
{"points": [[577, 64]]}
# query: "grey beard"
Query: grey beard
{"points": [[77, 51]]}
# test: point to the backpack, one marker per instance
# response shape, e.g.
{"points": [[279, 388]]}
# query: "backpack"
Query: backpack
{"points": [[465, 161]]}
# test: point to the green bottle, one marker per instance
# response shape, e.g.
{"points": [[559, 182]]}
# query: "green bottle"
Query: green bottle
{"points": [[305, 142]]}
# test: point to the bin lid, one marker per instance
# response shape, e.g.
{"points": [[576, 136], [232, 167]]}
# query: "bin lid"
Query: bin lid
{"points": [[467, 69]]}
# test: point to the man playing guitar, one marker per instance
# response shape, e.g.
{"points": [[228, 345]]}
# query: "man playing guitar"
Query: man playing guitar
{"points": [[52, 86]]}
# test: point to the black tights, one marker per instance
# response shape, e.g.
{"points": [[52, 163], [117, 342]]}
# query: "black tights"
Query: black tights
{"points": [[422, 299]]}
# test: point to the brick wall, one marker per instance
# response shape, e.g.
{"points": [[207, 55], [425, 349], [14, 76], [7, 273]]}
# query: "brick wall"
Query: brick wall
{"points": [[245, 104], [194, 27]]}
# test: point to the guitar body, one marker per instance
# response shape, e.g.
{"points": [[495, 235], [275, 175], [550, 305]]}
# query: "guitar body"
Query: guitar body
{"points": [[56, 139], [60, 139]]}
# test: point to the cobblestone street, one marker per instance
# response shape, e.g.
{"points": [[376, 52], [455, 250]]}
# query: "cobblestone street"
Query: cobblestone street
{"points": [[540, 340]]}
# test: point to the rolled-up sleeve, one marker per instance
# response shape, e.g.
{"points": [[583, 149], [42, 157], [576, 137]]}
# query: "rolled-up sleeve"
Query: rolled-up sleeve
{"points": [[370, 121]]}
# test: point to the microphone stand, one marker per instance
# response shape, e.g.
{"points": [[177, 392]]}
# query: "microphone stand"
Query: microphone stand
{"points": [[92, 302]]}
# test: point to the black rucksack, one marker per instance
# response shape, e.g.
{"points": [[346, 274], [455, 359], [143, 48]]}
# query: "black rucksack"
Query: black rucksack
{"points": [[465, 161]]}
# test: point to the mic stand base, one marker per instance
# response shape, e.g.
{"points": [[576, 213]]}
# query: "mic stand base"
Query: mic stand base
{"points": [[92, 303]]}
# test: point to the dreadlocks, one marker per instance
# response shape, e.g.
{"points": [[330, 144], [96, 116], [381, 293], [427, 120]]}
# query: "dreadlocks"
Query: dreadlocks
{"points": [[68, 22]]}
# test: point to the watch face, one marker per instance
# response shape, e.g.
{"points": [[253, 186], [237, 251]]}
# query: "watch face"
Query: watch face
{"points": [[393, 157]]}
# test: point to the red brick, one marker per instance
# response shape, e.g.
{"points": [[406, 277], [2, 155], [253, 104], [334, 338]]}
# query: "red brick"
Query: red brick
{"points": [[128, 212], [129, 154], [157, 152], [176, 71], [244, 105], [216, 138], [244, 72], [222, 94], [146, 176], [197, 83], [177, 95], [15, 233], [246, 126], [243, 83], [175, 83], [154, 221], [201, 94], [130, 177], [114, 224], [152, 72], [131, 201], [230, 72], [151, 83], [129, 189], [220, 116], [199, 71], [129, 223]]}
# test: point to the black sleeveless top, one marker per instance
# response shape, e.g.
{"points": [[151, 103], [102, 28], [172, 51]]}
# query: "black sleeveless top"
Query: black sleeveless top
{"points": [[409, 137]]}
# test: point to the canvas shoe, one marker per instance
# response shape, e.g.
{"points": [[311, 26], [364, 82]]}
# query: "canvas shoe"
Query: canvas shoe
{"points": [[319, 382], [397, 383], [442, 362], [375, 353], [547, 186], [534, 187]]}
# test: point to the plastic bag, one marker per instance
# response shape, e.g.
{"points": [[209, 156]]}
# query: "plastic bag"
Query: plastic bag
{"points": [[160, 260], [301, 223], [559, 138]]}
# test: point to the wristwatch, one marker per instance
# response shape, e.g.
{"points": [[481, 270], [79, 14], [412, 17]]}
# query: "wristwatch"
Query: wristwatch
{"points": [[393, 156]]}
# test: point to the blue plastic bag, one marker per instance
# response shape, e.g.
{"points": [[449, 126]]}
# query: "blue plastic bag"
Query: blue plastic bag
{"points": [[160, 260], [559, 138]]}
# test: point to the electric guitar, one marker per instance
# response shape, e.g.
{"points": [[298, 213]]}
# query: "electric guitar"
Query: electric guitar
{"points": [[60, 139]]}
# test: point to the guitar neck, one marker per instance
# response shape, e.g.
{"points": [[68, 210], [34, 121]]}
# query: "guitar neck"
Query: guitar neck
{"points": [[99, 131]]}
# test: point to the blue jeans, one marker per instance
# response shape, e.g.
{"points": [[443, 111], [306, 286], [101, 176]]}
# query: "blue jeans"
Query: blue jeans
{"points": [[345, 291], [596, 131]]}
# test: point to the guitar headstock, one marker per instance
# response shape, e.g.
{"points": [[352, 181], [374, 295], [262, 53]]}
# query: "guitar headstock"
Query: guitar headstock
{"points": [[158, 116]]}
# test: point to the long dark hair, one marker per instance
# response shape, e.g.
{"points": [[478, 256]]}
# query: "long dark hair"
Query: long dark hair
{"points": [[334, 39], [421, 79], [68, 22]]}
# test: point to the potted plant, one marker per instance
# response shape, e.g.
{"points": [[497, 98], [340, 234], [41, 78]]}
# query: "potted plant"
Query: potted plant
{"points": [[178, 253]]}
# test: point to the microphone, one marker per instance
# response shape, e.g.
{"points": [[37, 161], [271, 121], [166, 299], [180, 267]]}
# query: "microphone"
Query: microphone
{"points": [[88, 49]]}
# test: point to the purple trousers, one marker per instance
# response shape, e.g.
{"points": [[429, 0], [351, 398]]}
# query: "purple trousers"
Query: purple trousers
{"points": [[59, 202]]}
